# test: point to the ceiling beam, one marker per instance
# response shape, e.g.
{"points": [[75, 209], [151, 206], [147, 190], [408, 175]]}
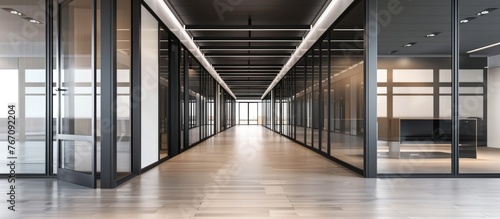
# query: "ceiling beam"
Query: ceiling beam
{"points": [[247, 39], [232, 48], [246, 81], [248, 27], [248, 65], [247, 74], [251, 55], [257, 84], [249, 69], [240, 75]]}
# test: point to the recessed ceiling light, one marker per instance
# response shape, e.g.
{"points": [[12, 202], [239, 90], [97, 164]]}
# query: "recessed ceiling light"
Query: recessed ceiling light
{"points": [[432, 34], [409, 44], [392, 52], [466, 20], [485, 11], [32, 20], [482, 13]]}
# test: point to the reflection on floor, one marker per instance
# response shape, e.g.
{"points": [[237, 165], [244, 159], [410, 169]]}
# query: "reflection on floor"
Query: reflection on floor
{"points": [[435, 158], [195, 136], [251, 172], [415, 158], [345, 147], [31, 157]]}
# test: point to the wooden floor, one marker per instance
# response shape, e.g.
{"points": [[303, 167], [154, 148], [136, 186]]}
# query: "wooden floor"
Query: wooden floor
{"points": [[251, 172]]}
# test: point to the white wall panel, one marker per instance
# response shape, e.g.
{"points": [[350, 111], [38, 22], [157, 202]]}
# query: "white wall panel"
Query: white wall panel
{"points": [[149, 88], [413, 106], [494, 107], [413, 75]]}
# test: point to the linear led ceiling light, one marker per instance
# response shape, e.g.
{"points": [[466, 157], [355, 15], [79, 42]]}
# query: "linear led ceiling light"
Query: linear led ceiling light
{"points": [[484, 47], [167, 16], [326, 19]]}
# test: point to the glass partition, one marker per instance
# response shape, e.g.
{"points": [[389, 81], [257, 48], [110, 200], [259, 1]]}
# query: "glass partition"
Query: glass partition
{"points": [[23, 82], [414, 89], [194, 77], [123, 106], [347, 88], [164, 92], [479, 88], [300, 107]]}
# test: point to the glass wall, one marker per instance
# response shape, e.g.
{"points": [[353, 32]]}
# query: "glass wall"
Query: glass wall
{"points": [[320, 102], [300, 107], [347, 88], [227, 109], [123, 106], [201, 102], [194, 77], [23, 82], [414, 88], [308, 101], [316, 95], [249, 113], [164, 92], [243, 114], [324, 89], [182, 96], [479, 88], [266, 111]]}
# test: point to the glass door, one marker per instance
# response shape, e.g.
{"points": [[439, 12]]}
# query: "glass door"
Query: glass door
{"points": [[75, 93]]}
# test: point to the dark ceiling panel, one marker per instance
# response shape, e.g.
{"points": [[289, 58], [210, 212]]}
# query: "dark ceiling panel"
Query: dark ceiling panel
{"points": [[248, 60]]}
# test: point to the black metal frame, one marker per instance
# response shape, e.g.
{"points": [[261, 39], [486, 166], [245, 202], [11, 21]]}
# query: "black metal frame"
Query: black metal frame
{"points": [[455, 86], [370, 89], [136, 87], [84, 179], [108, 94], [49, 89]]}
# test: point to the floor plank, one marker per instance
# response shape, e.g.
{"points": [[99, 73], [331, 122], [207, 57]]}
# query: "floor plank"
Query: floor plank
{"points": [[251, 172]]}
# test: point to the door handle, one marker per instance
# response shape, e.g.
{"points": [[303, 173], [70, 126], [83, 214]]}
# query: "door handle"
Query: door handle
{"points": [[61, 89]]}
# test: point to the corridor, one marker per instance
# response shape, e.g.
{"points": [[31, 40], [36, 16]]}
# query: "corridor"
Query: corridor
{"points": [[252, 172]]}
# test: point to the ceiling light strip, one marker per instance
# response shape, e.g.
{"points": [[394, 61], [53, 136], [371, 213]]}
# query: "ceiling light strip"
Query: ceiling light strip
{"points": [[326, 19], [168, 18], [484, 47]]}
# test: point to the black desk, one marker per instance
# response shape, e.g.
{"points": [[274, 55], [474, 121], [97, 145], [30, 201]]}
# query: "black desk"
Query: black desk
{"points": [[428, 131]]}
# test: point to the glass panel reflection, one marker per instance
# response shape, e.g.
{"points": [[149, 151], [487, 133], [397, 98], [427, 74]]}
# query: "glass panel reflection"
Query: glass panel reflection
{"points": [[414, 107], [77, 156], [479, 98]]}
